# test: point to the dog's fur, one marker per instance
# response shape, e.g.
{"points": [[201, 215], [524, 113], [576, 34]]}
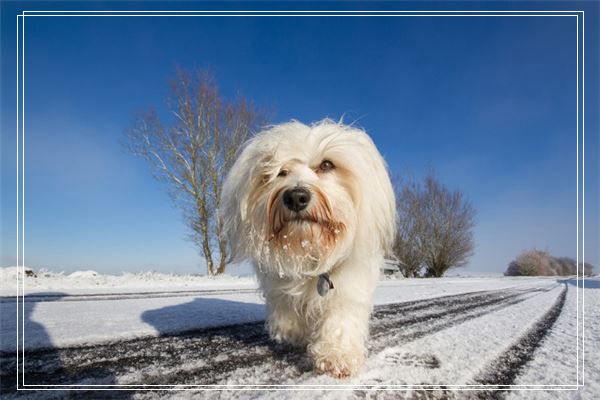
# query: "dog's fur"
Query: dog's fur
{"points": [[347, 227]]}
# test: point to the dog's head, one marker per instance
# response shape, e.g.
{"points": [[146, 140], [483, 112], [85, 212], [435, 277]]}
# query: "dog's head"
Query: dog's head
{"points": [[301, 198]]}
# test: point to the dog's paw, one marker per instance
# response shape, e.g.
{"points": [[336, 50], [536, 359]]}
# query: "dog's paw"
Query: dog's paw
{"points": [[338, 366], [334, 368]]}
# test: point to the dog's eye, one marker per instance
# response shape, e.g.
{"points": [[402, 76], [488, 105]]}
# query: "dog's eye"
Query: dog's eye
{"points": [[283, 172], [326, 166]]}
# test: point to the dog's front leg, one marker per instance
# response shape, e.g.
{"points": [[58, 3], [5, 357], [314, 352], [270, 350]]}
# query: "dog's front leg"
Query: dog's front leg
{"points": [[284, 323], [338, 343]]}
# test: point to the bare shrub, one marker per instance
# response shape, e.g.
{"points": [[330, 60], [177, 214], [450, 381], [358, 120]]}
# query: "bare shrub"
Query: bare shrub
{"points": [[586, 268], [407, 244], [565, 266], [540, 263], [529, 263]]}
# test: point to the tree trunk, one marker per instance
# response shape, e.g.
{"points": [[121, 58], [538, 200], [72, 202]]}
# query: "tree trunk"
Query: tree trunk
{"points": [[206, 247], [207, 254], [222, 247], [222, 263]]}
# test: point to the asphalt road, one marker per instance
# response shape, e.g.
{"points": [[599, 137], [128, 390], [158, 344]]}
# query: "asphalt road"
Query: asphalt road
{"points": [[221, 355]]}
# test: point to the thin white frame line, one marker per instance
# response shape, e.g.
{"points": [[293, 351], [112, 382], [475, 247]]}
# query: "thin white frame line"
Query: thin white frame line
{"points": [[534, 386], [302, 11], [377, 388], [583, 196], [18, 202], [374, 387], [306, 15], [324, 387], [23, 196], [390, 15], [249, 13], [474, 387], [577, 160]]}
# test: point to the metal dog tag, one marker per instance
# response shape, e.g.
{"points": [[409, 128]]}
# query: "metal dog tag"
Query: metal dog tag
{"points": [[324, 284]]}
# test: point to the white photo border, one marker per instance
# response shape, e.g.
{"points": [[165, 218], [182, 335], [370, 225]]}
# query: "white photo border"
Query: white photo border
{"points": [[20, 118]]}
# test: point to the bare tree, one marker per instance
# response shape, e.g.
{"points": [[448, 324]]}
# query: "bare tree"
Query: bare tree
{"points": [[407, 243], [192, 148], [435, 228], [448, 221]]}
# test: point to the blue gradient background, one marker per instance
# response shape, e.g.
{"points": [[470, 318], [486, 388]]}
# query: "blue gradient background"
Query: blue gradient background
{"points": [[489, 103]]}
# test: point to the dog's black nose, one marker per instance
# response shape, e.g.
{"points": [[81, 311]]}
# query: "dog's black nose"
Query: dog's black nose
{"points": [[296, 199]]}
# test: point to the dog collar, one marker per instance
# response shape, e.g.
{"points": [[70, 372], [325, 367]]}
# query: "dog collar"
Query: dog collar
{"points": [[324, 284]]}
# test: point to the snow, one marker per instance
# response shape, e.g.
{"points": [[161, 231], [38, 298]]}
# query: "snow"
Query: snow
{"points": [[555, 361], [93, 282], [87, 307], [166, 304], [81, 275], [399, 290], [170, 303], [481, 340], [448, 357]]}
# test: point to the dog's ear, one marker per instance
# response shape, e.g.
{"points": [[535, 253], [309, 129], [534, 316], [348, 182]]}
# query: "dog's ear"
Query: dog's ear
{"points": [[378, 204], [234, 203], [383, 204]]}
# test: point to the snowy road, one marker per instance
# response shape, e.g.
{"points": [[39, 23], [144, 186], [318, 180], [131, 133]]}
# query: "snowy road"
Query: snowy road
{"points": [[487, 337]]}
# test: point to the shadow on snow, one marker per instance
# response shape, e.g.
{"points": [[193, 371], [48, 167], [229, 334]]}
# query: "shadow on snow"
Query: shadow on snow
{"points": [[42, 363], [590, 283], [202, 312]]}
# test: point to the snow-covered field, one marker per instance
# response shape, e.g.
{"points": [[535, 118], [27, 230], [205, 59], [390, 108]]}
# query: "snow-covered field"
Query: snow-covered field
{"points": [[153, 329], [87, 282]]}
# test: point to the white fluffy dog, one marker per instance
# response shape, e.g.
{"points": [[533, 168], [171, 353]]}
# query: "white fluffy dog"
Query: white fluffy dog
{"points": [[314, 209]]}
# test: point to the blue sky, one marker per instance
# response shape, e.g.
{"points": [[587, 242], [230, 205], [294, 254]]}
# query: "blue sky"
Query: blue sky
{"points": [[489, 103]]}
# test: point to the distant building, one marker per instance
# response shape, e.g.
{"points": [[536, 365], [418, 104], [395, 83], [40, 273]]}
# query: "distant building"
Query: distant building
{"points": [[389, 267]]}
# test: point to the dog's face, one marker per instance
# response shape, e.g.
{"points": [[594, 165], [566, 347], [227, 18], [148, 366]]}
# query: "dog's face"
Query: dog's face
{"points": [[299, 197], [302, 206]]}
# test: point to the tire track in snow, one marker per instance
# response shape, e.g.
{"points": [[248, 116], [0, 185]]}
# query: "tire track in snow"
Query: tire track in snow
{"points": [[215, 355], [505, 369], [286, 366], [442, 315]]}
